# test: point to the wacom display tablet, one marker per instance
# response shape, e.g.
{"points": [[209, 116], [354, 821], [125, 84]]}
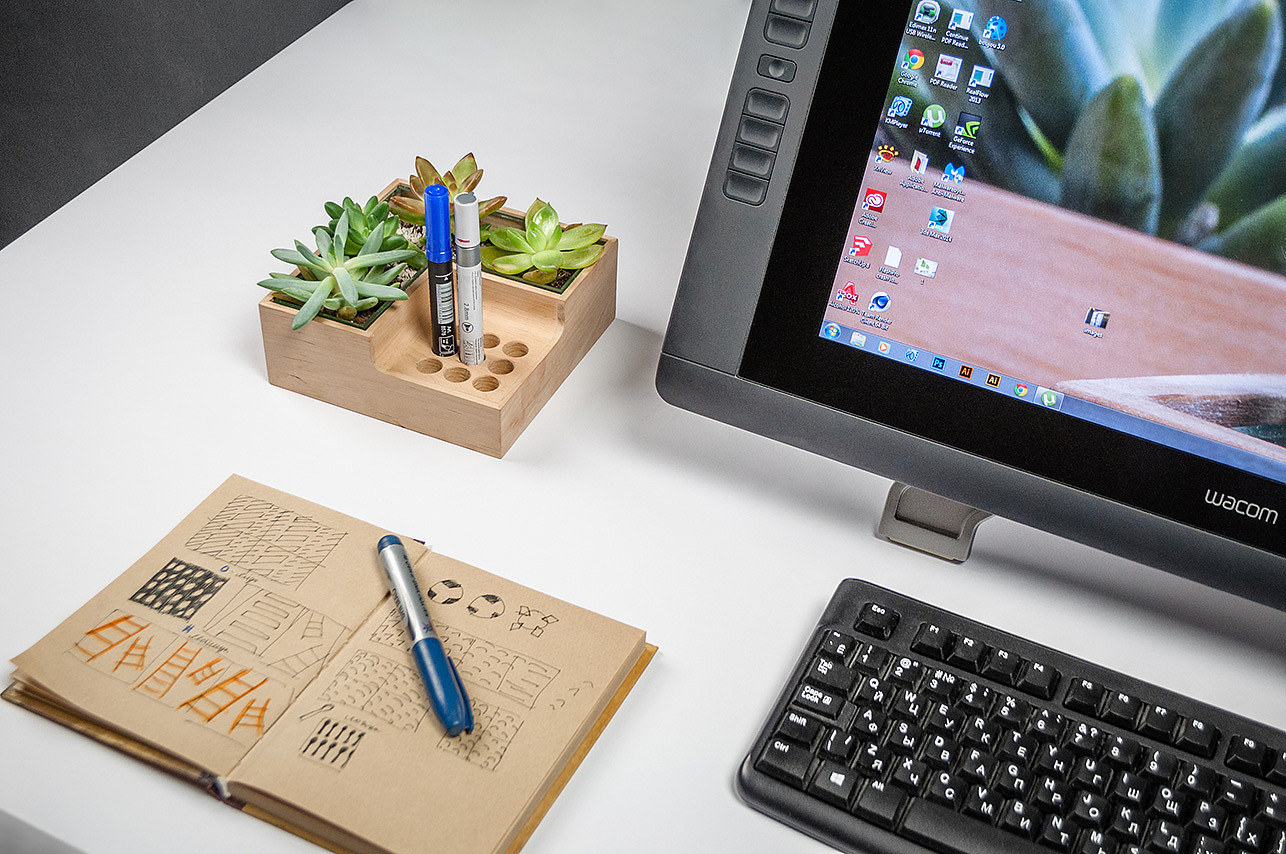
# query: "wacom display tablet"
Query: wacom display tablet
{"points": [[1026, 254]]}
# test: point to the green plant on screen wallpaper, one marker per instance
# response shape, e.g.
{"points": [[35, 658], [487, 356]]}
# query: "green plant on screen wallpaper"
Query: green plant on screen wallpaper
{"points": [[1165, 116]]}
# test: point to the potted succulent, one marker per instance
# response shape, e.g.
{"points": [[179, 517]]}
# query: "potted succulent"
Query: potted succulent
{"points": [[542, 252], [369, 349]]}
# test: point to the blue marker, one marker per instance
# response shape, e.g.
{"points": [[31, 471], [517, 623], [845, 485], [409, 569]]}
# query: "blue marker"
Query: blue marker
{"points": [[446, 691], [437, 251]]}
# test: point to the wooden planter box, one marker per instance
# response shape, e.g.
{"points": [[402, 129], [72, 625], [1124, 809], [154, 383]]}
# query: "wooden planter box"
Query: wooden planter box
{"points": [[533, 339]]}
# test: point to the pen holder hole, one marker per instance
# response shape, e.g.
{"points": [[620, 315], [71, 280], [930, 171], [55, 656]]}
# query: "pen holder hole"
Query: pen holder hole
{"points": [[486, 383], [428, 366], [515, 349], [489, 340], [500, 366], [456, 375]]}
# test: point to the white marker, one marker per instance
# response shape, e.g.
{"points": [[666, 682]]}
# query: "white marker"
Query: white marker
{"points": [[468, 278]]}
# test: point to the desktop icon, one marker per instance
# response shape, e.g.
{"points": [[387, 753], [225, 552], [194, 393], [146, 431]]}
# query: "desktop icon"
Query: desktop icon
{"points": [[849, 293], [927, 11], [912, 59], [884, 347], [995, 29], [900, 107], [993, 380], [968, 125], [940, 220], [948, 68], [982, 76], [919, 162], [960, 20], [966, 372], [874, 200], [939, 363], [831, 330], [861, 246], [879, 301], [926, 268], [886, 153], [1097, 317], [1021, 389], [953, 174], [893, 257], [934, 116], [857, 339]]}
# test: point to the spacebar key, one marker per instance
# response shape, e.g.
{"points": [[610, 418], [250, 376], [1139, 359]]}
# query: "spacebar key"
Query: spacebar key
{"points": [[934, 826]]}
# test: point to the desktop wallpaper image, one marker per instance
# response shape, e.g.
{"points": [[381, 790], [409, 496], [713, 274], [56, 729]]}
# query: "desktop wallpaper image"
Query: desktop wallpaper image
{"points": [[1164, 116]]}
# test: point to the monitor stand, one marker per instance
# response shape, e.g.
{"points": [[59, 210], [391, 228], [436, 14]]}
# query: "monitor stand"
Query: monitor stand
{"points": [[929, 523]]}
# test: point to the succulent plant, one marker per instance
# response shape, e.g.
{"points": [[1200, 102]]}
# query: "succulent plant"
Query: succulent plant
{"points": [[363, 220], [462, 178], [543, 247], [331, 278], [1167, 116]]}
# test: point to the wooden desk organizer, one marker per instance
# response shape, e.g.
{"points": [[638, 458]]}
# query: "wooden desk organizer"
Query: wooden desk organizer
{"points": [[533, 339]]}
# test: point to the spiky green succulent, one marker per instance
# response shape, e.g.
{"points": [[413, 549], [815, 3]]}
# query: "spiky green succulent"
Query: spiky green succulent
{"points": [[362, 220], [542, 248], [331, 278], [463, 177], [1167, 116]]}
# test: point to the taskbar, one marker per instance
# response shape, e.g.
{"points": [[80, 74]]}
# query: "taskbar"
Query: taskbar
{"points": [[1047, 398]]}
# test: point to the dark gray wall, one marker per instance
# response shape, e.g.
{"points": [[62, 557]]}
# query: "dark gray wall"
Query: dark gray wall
{"points": [[86, 84]]}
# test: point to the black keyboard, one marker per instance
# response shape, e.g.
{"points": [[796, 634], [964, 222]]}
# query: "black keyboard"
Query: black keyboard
{"points": [[906, 728]]}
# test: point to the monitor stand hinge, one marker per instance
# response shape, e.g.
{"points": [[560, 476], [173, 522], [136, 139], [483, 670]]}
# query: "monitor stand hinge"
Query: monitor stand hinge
{"points": [[929, 523]]}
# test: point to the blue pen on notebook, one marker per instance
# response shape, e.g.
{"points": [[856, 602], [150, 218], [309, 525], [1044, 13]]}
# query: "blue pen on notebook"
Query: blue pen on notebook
{"points": [[441, 680]]}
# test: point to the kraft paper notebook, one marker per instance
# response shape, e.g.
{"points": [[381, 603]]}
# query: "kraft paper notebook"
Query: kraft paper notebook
{"points": [[256, 652]]}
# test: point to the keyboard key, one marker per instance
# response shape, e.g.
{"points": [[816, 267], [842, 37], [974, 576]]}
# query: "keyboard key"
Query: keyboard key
{"points": [[825, 672], [932, 640], [967, 654], [1121, 709], [839, 745], [1277, 768], [817, 700], [838, 646], [877, 621], [834, 783], [1003, 666], [1083, 695], [1039, 679], [799, 727], [1158, 722], [953, 833], [879, 803], [785, 760], [1198, 737], [1247, 754]]}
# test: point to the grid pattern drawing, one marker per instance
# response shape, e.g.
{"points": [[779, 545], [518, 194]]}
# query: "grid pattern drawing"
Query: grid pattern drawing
{"points": [[266, 540], [381, 687], [179, 589]]}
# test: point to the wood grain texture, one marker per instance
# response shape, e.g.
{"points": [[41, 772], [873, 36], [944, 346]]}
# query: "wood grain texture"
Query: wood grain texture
{"points": [[534, 338]]}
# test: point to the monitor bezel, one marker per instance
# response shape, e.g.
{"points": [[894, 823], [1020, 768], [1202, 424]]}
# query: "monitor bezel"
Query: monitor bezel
{"points": [[1128, 495]]}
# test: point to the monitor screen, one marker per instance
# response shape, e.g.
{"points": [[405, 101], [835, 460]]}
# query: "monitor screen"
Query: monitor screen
{"points": [[1080, 216], [1026, 254]]}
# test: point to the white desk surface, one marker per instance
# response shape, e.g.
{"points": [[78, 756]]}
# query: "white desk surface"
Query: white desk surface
{"points": [[136, 384]]}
